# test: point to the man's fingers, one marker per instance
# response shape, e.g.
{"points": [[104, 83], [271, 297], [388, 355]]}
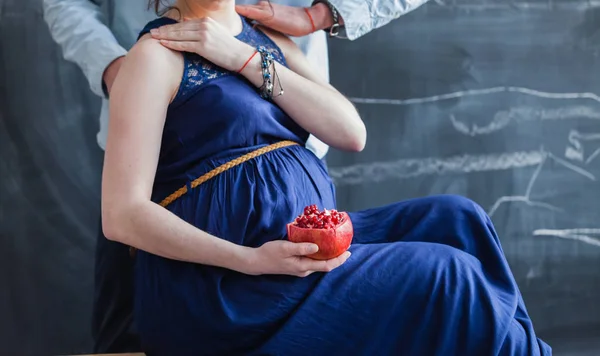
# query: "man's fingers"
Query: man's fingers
{"points": [[254, 12]]}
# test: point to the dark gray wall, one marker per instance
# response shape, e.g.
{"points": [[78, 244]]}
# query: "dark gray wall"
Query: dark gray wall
{"points": [[494, 100], [49, 191]]}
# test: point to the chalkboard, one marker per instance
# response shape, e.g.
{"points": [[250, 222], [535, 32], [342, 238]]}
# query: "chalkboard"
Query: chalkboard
{"points": [[494, 100], [49, 192]]}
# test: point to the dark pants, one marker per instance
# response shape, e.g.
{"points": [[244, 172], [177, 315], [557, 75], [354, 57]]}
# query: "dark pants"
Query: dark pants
{"points": [[112, 319]]}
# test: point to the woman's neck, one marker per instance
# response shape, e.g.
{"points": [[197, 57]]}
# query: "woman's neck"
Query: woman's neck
{"points": [[222, 11]]}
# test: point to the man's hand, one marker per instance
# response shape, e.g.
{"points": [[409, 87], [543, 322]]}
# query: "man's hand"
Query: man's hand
{"points": [[289, 20], [111, 72]]}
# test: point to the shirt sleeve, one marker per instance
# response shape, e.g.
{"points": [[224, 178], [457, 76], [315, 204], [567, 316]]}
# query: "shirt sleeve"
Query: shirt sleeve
{"points": [[363, 16], [78, 27]]}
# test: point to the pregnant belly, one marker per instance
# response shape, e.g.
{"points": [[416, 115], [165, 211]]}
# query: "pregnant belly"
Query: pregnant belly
{"points": [[250, 204]]}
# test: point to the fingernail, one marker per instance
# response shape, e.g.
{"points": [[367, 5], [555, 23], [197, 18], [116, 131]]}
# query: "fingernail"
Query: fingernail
{"points": [[154, 31]]}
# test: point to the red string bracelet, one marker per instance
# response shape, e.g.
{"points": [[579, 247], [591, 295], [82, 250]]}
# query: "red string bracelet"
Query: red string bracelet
{"points": [[248, 61], [312, 23]]}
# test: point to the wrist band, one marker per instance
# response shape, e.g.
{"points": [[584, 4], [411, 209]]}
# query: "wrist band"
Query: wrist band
{"points": [[312, 22], [267, 65], [334, 30], [248, 61], [266, 90]]}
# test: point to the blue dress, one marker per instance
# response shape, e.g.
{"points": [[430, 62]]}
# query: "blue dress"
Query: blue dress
{"points": [[426, 276]]}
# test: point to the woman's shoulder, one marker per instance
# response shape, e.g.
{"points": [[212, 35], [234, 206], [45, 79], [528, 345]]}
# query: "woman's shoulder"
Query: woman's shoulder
{"points": [[150, 51], [156, 23], [149, 63]]}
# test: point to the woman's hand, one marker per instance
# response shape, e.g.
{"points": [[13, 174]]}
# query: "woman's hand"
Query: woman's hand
{"points": [[286, 257], [207, 38]]}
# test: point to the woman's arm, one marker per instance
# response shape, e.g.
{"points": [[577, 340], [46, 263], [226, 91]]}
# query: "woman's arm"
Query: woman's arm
{"points": [[142, 91], [310, 100], [144, 87]]}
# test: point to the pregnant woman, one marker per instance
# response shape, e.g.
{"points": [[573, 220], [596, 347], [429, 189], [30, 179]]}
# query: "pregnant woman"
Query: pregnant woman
{"points": [[215, 274]]}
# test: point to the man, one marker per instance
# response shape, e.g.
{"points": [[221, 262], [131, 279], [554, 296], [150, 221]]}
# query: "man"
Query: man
{"points": [[355, 17], [96, 34]]}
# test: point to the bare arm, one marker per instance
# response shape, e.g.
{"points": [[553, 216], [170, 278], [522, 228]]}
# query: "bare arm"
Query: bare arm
{"points": [[310, 100], [141, 94], [79, 28]]}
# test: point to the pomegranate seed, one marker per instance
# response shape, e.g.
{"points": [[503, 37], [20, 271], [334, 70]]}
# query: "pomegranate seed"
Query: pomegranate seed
{"points": [[312, 217]]}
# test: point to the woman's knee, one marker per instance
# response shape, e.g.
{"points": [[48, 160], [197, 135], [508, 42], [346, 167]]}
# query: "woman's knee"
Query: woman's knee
{"points": [[456, 206], [436, 258], [442, 266], [455, 203]]}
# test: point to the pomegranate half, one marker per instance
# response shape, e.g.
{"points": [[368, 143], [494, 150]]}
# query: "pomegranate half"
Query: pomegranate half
{"points": [[329, 229]]}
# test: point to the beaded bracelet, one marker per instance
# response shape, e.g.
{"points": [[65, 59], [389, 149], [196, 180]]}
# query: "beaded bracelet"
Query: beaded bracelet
{"points": [[267, 64]]}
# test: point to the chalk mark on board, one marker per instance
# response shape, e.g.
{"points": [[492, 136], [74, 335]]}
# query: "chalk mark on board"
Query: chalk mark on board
{"points": [[526, 198], [576, 151], [475, 92], [503, 118], [408, 168], [580, 234], [416, 167], [375, 172]]}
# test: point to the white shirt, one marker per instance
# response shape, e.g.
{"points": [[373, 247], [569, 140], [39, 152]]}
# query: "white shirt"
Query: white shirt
{"points": [[93, 33]]}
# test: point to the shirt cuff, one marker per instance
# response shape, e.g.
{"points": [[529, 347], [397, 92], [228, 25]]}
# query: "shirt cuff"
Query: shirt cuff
{"points": [[355, 15]]}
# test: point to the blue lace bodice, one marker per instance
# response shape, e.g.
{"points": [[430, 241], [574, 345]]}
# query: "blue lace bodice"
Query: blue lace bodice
{"points": [[198, 71]]}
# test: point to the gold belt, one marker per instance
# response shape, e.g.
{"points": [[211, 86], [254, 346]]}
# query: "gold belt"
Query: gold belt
{"points": [[220, 169]]}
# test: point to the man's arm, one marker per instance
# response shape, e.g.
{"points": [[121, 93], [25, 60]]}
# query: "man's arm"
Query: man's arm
{"points": [[78, 27], [363, 16], [356, 17]]}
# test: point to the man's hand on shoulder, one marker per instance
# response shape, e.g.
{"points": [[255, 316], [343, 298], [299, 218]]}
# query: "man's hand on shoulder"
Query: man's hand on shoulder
{"points": [[290, 20]]}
